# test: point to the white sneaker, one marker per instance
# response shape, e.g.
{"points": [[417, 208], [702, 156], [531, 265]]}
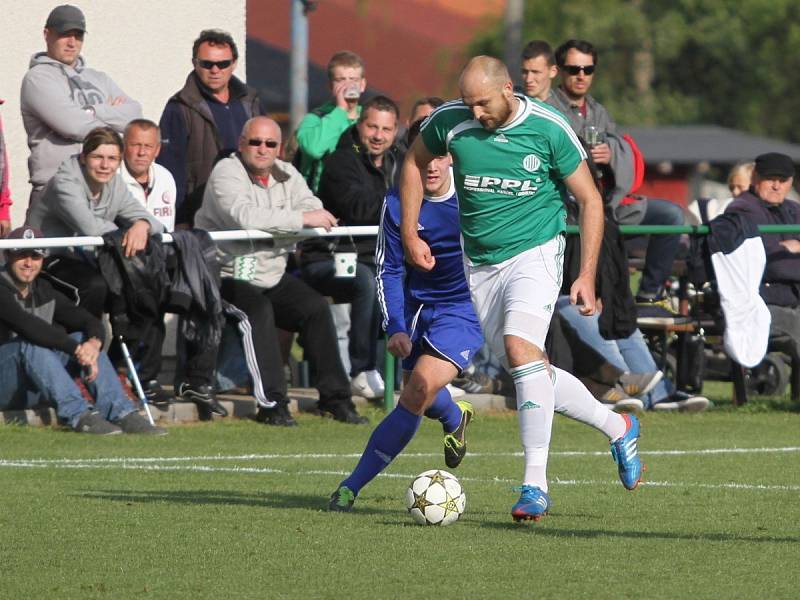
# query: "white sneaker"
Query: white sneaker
{"points": [[366, 386], [683, 404], [629, 405], [455, 392]]}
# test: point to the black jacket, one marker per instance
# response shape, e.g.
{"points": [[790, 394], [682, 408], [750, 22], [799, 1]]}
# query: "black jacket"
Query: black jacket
{"points": [[137, 285], [44, 317], [352, 189], [618, 319]]}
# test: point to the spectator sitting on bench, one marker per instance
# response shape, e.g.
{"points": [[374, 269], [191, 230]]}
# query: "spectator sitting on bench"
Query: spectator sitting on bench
{"points": [[39, 359], [764, 203], [703, 210]]}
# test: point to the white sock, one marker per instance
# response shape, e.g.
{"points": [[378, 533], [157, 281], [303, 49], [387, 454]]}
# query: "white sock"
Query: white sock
{"points": [[535, 399], [574, 400]]}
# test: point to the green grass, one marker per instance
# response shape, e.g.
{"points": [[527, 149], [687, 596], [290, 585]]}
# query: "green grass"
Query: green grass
{"points": [[255, 527]]}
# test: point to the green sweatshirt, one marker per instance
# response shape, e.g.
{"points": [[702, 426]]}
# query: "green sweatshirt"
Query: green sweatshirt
{"points": [[317, 136]]}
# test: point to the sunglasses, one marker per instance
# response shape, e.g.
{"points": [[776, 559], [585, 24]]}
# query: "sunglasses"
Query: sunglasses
{"points": [[255, 142], [210, 64], [575, 69]]}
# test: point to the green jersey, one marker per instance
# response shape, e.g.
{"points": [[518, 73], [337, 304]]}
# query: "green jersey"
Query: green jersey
{"points": [[509, 181]]}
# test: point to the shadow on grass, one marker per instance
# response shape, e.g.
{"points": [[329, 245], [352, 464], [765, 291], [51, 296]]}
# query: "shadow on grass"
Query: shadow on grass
{"points": [[221, 498], [548, 530]]}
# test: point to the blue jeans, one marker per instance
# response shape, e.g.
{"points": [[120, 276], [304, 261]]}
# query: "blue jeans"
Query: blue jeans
{"points": [[360, 291], [30, 373], [661, 249], [629, 354]]}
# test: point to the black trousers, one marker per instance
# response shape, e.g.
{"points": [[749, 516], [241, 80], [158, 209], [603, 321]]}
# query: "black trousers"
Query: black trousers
{"points": [[294, 306]]}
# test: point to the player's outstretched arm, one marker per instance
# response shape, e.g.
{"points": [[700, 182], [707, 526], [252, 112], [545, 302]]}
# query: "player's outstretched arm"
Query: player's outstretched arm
{"points": [[582, 186], [418, 252]]}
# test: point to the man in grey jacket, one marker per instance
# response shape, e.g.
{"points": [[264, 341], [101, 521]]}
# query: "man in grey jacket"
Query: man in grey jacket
{"points": [[615, 158], [62, 100], [253, 189]]}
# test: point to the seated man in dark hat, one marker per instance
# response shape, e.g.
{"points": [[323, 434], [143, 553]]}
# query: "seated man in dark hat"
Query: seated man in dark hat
{"points": [[764, 203], [38, 358]]}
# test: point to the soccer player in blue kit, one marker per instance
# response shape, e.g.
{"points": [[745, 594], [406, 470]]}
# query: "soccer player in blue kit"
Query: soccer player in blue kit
{"points": [[431, 325], [513, 157]]}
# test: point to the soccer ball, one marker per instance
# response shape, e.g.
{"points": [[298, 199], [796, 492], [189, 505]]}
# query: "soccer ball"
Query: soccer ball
{"points": [[435, 497]]}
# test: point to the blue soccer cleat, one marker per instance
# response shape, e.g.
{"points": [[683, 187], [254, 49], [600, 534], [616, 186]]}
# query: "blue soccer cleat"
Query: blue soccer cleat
{"points": [[625, 453], [533, 504]]}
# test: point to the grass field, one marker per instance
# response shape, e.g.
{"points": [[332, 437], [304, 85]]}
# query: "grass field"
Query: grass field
{"points": [[236, 510]]}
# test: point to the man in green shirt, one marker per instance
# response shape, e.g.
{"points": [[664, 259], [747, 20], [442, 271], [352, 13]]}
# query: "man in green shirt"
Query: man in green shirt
{"points": [[319, 131], [512, 159]]}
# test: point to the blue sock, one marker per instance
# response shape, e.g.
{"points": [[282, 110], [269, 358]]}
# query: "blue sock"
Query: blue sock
{"points": [[444, 409], [387, 441]]}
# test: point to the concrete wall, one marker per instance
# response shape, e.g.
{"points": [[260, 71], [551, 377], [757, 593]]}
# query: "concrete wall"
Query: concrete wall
{"points": [[145, 46]]}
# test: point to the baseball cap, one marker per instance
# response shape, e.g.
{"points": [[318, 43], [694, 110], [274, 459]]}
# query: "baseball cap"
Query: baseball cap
{"points": [[26, 233], [66, 18], [775, 164]]}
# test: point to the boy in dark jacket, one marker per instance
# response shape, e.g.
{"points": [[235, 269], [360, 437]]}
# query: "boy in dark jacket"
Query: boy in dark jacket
{"points": [[39, 358]]}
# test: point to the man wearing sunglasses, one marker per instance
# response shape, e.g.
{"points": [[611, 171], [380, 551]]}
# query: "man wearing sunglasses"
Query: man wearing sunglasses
{"points": [[62, 100], [253, 189], [210, 109], [615, 156]]}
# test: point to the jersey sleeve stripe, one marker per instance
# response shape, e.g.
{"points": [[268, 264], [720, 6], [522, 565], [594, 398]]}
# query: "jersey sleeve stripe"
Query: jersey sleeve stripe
{"points": [[380, 260], [464, 126]]}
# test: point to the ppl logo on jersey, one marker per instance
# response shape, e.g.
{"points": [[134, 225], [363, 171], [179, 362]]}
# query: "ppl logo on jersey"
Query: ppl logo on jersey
{"points": [[497, 185], [166, 198], [531, 163]]}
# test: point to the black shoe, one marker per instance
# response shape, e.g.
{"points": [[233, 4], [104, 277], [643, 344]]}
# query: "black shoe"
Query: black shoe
{"points": [[92, 422], [455, 443], [203, 396], [154, 393], [344, 412], [655, 311], [278, 415], [136, 423]]}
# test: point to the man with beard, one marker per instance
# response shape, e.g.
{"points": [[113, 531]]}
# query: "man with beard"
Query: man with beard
{"points": [[512, 159]]}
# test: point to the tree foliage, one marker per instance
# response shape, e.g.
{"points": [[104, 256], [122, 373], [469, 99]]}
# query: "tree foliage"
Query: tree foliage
{"points": [[733, 63]]}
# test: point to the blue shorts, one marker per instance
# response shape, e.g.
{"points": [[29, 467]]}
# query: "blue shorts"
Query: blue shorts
{"points": [[449, 330]]}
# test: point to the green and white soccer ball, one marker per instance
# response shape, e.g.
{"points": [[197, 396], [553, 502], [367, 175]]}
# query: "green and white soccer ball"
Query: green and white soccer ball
{"points": [[435, 497]]}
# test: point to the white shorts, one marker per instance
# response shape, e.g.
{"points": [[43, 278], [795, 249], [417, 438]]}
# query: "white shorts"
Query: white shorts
{"points": [[517, 296]]}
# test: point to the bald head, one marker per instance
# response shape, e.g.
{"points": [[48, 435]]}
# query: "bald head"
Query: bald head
{"points": [[486, 88], [262, 124], [259, 145], [484, 71]]}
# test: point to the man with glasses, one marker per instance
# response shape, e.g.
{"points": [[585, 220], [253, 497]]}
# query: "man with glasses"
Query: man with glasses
{"points": [[210, 109], [62, 100], [615, 159], [253, 189]]}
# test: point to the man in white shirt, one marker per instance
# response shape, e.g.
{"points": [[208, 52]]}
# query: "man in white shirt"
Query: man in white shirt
{"points": [[150, 183]]}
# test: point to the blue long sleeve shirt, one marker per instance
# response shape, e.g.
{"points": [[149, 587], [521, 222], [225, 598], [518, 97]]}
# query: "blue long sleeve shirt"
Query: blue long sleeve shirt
{"points": [[401, 288]]}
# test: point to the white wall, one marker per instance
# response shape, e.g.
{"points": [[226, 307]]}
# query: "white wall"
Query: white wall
{"points": [[144, 45]]}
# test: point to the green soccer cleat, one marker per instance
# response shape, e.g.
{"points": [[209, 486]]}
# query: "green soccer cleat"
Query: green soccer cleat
{"points": [[342, 500], [455, 443]]}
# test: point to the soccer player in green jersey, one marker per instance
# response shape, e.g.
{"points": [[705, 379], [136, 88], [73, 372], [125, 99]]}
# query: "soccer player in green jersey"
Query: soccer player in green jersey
{"points": [[513, 157]]}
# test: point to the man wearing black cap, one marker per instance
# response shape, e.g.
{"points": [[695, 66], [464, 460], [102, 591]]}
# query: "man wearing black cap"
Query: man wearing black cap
{"points": [[39, 359], [62, 100], [764, 203]]}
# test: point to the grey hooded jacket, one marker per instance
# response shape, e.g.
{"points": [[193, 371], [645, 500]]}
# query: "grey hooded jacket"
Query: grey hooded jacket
{"points": [[66, 209], [60, 105]]}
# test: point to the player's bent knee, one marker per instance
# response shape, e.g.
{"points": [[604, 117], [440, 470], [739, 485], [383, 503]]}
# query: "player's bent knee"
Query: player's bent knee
{"points": [[523, 337], [417, 395]]}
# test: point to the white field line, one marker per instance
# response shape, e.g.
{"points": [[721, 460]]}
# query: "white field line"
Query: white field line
{"points": [[405, 476], [316, 456]]}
